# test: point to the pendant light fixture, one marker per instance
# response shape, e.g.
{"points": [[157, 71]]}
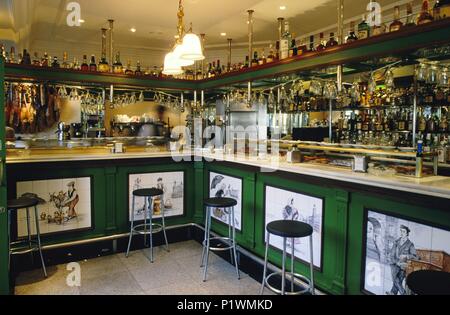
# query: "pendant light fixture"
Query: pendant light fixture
{"points": [[186, 50], [192, 47]]}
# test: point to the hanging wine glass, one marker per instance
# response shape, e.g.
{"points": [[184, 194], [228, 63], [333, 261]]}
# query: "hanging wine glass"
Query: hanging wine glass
{"points": [[261, 98], [421, 72], [443, 77], [432, 74], [141, 97], [271, 102], [389, 80]]}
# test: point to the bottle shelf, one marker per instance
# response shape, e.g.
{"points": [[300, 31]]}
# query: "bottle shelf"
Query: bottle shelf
{"points": [[404, 42]]}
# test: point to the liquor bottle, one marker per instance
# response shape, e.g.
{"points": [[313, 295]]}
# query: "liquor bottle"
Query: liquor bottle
{"points": [[277, 50], [442, 9], [363, 29], [210, 72], [396, 25], [103, 65], [421, 122], [26, 59], [93, 64], [76, 65], [293, 50], [302, 48], [45, 60], [443, 123], [271, 56], [332, 42], [255, 59], [285, 42], [3, 52], [321, 45], [424, 16], [139, 72], [218, 69], [247, 62], [262, 59], [55, 63], [351, 35], [84, 65], [409, 15], [378, 29], [12, 55], [65, 64], [36, 60], [128, 70], [117, 65], [311, 43]]}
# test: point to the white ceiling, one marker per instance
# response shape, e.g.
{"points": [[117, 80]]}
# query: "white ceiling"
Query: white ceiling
{"points": [[38, 23]]}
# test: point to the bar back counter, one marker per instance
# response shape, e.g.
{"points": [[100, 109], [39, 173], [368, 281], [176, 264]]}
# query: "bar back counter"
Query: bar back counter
{"points": [[84, 193]]}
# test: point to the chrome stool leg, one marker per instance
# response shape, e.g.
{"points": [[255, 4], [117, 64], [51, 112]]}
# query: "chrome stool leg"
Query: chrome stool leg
{"points": [[145, 221], [132, 226], [292, 264], [205, 271], [204, 239], [283, 276], [150, 209], [266, 257], [9, 240], [27, 210], [163, 209], [234, 245], [311, 265], [38, 233]]}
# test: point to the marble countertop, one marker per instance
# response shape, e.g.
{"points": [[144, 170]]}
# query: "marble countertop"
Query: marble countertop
{"points": [[436, 186]]}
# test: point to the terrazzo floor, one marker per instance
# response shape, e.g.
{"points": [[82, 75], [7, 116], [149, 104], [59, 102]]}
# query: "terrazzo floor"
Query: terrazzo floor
{"points": [[176, 272]]}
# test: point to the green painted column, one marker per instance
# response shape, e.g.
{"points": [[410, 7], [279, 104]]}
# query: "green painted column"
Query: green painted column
{"points": [[4, 239], [199, 192]]}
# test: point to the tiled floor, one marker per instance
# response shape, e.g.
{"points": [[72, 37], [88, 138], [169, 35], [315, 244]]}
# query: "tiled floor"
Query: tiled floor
{"points": [[176, 272]]}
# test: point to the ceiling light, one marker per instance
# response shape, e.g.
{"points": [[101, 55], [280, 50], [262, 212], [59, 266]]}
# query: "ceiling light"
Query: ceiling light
{"points": [[223, 34], [179, 49], [170, 65], [283, 7], [133, 30], [192, 48], [81, 21]]}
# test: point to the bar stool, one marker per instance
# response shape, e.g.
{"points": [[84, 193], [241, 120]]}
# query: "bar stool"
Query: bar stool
{"points": [[288, 229], [26, 203], [153, 228], [429, 282], [228, 205]]}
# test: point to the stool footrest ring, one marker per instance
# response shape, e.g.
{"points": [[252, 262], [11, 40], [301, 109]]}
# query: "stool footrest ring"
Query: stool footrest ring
{"points": [[227, 240], [155, 227], [296, 276]]}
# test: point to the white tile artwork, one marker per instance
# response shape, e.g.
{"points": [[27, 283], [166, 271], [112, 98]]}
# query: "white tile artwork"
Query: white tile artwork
{"points": [[55, 214], [172, 183], [221, 185], [286, 205], [390, 247]]}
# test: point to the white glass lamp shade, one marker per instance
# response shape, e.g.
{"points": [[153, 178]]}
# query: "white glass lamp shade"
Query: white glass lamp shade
{"points": [[171, 67], [179, 49], [192, 48]]}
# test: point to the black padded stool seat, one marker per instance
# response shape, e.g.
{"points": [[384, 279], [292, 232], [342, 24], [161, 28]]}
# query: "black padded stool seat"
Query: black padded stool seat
{"points": [[21, 203], [220, 202], [289, 229], [148, 192], [429, 282]]}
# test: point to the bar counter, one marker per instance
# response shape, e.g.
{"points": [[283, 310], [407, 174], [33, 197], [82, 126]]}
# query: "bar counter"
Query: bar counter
{"points": [[343, 201], [436, 186]]}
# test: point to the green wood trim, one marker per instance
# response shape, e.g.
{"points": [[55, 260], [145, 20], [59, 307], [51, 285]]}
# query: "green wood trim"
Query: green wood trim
{"points": [[4, 240], [64, 75]]}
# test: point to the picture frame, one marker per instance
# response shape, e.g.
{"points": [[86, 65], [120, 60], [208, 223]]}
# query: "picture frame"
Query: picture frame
{"points": [[217, 187], [54, 219], [318, 221], [383, 269], [152, 179]]}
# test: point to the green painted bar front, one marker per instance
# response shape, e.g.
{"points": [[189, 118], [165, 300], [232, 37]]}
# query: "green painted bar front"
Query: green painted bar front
{"points": [[343, 219]]}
